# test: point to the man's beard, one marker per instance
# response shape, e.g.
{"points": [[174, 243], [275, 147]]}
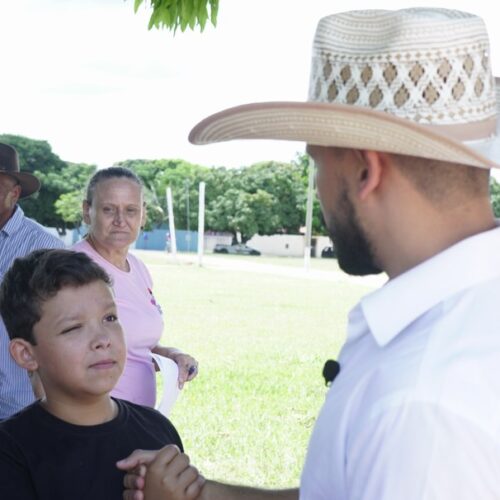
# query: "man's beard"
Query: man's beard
{"points": [[354, 250]]}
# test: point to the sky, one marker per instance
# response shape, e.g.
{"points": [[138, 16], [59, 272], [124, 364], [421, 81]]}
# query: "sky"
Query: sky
{"points": [[88, 77]]}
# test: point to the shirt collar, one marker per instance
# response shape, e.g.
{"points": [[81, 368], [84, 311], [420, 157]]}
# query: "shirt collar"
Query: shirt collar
{"points": [[390, 309], [14, 223]]}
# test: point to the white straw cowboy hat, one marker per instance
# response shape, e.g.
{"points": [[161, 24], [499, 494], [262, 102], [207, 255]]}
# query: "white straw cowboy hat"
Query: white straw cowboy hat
{"points": [[9, 165], [414, 81]]}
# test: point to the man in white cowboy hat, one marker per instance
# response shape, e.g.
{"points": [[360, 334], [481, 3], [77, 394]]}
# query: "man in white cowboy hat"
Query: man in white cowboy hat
{"points": [[401, 123], [18, 237]]}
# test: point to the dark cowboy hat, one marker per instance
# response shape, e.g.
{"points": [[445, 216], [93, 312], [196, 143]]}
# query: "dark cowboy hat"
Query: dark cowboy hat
{"points": [[9, 165]]}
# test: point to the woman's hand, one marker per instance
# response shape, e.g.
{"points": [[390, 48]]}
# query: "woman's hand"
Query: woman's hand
{"points": [[188, 366]]}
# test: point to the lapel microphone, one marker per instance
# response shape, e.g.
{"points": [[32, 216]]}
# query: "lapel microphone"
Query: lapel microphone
{"points": [[330, 371]]}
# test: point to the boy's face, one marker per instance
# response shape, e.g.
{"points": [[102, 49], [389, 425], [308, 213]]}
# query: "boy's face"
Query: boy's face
{"points": [[80, 351]]}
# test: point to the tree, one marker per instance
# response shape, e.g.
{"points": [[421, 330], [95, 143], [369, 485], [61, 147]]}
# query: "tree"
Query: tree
{"points": [[172, 14], [265, 198], [232, 212], [57, 178], [259, 199], [318, 224], [181, 176], [265, 210], [73, 179], [283, 181], [495, 196], [69, 207]]}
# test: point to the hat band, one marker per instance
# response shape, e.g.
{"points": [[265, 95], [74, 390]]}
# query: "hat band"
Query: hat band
{"points": [[468, 132]]}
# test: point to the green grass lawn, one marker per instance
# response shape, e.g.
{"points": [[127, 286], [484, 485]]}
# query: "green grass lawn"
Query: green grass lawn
{"points": [[261, 341]]}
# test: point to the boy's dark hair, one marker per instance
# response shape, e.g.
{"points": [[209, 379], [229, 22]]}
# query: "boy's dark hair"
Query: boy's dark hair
{"points": [[109, 173], [35, 278]]}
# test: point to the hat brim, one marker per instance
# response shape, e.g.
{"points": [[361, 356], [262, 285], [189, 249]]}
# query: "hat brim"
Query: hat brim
{"points": [[28, 182], [339, 125]]}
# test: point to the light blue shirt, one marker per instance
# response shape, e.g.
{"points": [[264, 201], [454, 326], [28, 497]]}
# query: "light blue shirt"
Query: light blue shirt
{"points": [[18, 238]]}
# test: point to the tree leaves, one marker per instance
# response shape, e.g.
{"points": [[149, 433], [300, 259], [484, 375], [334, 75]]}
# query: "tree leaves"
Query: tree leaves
{"points": [[173, 14], [265, 198], [57, 177], [495, 196]]}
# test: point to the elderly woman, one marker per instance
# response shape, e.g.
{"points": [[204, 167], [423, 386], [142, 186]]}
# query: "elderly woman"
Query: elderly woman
{"points": [[114, 211]]}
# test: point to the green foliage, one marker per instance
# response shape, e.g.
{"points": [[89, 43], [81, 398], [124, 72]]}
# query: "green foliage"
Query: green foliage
{"points": [[264, 198], [318, 225], [495, 196], [155, 214], [233, 212], [57, 178], [284, 181], [182, 177], [173, 14], [69, 207], [73, 179]]}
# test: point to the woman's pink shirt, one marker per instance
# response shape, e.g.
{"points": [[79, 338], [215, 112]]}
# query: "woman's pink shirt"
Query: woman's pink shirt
{"points": [[142, 322]]}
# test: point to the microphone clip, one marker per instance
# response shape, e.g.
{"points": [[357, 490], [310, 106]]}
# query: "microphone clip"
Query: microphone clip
{"points": [[330, 371]]}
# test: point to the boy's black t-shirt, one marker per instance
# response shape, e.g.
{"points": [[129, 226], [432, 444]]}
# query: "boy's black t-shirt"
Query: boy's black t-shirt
{"points": [[45, 458]]}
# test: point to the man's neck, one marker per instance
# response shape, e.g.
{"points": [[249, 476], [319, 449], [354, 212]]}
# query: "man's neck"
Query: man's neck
{"points": [[430, 234], [5, 217], [94, 411]]}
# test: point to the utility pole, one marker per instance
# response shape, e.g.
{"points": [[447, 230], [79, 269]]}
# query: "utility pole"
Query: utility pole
{"points": [[201, 222], [188, 235], [309, 209], [171, 223]]}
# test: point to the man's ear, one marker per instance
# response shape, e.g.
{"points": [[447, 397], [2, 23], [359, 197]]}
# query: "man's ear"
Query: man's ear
{"points": [[85, 211], [22, 352], [13, 196], [371, 171]]}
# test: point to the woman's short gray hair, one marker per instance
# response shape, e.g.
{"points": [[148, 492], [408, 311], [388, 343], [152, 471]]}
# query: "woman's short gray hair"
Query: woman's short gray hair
{"points": [[110, 173]]}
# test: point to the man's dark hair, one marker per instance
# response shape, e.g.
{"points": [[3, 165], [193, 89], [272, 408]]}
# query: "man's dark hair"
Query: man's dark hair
{"points": [[37, 277], [109, 173]]}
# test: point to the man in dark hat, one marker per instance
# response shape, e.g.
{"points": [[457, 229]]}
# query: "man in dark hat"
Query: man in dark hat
{"points": [[18, 237]]}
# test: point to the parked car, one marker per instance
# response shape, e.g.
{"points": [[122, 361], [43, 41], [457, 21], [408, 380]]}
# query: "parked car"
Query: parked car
{"points": [[328, 252], [235, 249]]}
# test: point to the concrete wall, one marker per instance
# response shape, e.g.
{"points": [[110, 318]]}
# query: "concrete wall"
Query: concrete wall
{"points": [[286, 245], [212, 239], [321, 242], [292, 245]]}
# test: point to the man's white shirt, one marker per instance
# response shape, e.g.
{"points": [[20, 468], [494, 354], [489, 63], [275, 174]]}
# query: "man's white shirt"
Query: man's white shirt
{"points": [[415, 411]]}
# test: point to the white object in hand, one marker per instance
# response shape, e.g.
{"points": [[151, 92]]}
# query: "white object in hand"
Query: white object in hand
{"points": [[170, 374]]}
